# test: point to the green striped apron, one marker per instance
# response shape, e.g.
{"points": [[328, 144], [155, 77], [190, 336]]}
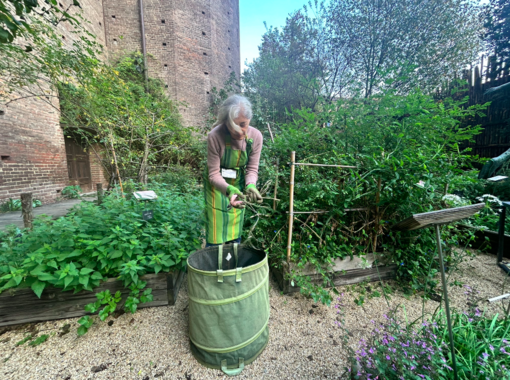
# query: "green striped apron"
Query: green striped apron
{"points": [[223, 224]]}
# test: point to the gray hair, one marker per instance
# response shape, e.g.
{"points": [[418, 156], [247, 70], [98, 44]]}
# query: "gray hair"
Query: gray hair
{"points": [[231, 108]]}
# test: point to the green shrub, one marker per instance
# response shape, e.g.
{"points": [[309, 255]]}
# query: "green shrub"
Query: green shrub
{"points": [[179, 178], [71, 192], [15, 205], [407, 156], [93, 243]]}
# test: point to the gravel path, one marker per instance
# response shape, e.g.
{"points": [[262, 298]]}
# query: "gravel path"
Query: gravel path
{"points": [[153, 344]]}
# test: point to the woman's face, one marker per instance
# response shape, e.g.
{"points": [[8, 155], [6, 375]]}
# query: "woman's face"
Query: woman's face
{"points": [[243, 123]]}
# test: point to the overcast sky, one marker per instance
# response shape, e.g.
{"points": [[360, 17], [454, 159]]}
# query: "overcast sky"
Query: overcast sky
{"points": [[252, 17]]}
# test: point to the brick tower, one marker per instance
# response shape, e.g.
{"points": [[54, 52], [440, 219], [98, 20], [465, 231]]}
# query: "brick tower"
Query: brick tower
{"points": [[192, 45]]}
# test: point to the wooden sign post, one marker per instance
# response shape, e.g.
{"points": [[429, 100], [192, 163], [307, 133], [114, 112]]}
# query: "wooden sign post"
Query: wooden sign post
{"points": [[436, 219]]}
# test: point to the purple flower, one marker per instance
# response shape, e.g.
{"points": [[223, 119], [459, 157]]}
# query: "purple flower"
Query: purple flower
{"points": [[485, 355], [491, 347], [388, 357]]}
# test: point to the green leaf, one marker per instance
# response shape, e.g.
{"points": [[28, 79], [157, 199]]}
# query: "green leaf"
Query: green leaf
{"points": [[84, 280], [38, 288], [82, 330], [68, 280], [46, 277], [85, 271], [157, 268], [39, 340], [115, 254], [96, 276], [38, 270]]}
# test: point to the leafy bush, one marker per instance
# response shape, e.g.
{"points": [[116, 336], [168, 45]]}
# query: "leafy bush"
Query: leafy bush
{"points": [[399, 350], [15, 205], [179, 178], [71, 192], [94, 243], [407, 156]]}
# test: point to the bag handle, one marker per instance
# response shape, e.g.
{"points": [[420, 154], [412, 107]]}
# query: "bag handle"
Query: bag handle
{"points": [[219, 272], [234, 371]]}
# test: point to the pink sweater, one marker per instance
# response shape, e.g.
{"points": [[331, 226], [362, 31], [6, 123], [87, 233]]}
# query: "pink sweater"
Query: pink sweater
{"points": [[216, 148]]}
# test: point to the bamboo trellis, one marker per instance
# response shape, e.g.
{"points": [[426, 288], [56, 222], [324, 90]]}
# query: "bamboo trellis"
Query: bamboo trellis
{"points": [[291, 212]]}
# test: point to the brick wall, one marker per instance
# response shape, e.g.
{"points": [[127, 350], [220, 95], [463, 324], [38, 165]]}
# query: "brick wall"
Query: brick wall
{"points": [[192, 45], [32, 150]]}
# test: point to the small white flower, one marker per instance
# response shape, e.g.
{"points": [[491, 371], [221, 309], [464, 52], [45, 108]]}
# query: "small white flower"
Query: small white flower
{"points": [[488, 198], [420, 184], [453, 200]]}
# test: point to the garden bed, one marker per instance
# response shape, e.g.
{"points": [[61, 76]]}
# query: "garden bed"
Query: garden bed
{"points": [[22, 305], [343, 272], [480, 242]]}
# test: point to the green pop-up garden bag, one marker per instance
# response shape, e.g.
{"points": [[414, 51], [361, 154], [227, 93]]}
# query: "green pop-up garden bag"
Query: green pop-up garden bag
{"points": [[228, 288]]}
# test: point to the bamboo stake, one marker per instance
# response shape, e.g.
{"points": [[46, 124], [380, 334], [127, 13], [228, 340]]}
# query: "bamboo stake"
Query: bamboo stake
{"points": [[332, 166], [377, 200], [276, 182], [270, 132], [116, 165], [291, 204]]}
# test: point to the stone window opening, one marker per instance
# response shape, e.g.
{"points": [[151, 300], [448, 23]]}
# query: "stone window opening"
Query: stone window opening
{"points": [[165, 67], [113, 16], [166, 86], [229, 30], [230, 67], [5, 157], [205, 53], [162, 21], [207, 92], [2, 112], [203, 33], [206, 73], [228, 48], [100, 24], [203, 12], [164, 43]]}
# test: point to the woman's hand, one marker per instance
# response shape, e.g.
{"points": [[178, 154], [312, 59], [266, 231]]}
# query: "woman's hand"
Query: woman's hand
{"points": [[253, 194], [236, 197]]}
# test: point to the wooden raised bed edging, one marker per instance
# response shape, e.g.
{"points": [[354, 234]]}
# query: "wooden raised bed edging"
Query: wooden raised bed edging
{"points": [[22, 305], [344, 272], [481, 243]]}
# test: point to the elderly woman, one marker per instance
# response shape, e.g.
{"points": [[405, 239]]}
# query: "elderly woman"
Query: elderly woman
{"points": [[233, 154]]}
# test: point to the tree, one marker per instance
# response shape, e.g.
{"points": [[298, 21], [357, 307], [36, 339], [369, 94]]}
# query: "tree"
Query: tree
{"points": [[350, 47], [297, 66], [15, 20], [497, 36], [138, 128], [413, 43]]}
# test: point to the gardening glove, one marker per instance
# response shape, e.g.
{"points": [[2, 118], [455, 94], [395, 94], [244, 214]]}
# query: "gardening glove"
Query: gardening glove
{"points": [[234, 193], [252, 194]]}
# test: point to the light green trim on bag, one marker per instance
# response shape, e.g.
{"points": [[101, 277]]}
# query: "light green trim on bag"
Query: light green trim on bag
{"points": [[231, 272], [233, 348], [232, 299], [233, 371]]}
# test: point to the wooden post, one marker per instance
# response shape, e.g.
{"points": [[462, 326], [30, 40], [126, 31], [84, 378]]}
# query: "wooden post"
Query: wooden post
{"points": [[276, 183], [291, 204], [100, 194], [26, 209]]}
